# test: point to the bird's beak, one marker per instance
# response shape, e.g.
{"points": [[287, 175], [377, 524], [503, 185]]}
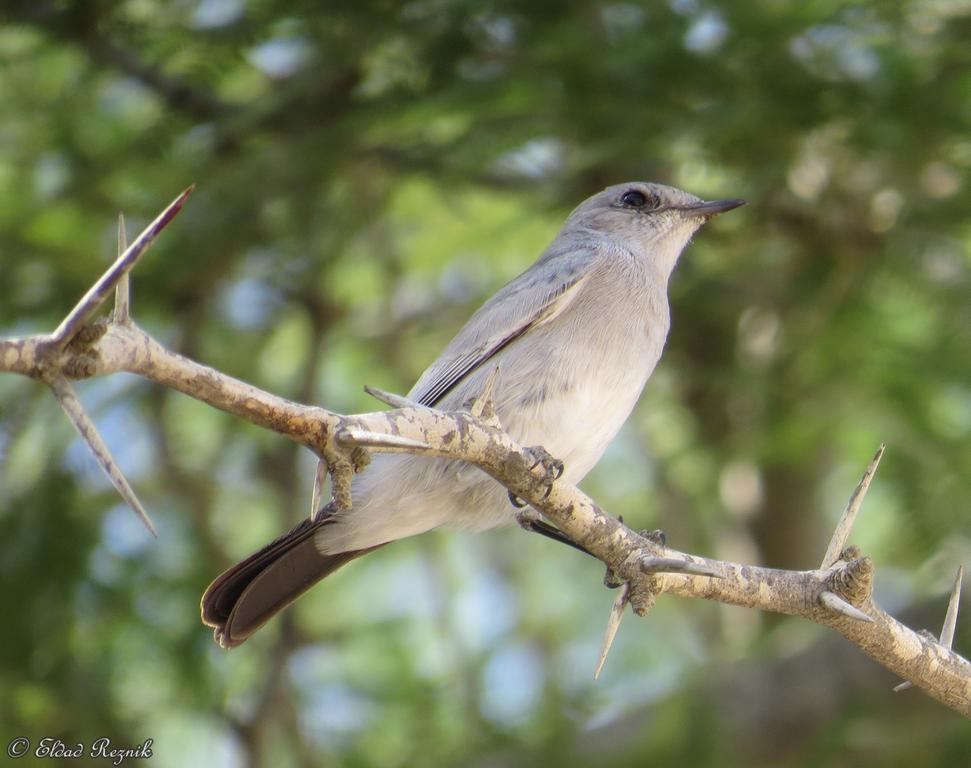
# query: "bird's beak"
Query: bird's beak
{"points": [[712, 208]]}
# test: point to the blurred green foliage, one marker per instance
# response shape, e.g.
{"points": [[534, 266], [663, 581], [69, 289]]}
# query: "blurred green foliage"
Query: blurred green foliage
{"points": [[367, 173]]}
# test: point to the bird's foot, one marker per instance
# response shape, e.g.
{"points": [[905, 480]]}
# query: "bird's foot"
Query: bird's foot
{"points": [[552, 467], [551, 471], [531, 520], [656, 536]]}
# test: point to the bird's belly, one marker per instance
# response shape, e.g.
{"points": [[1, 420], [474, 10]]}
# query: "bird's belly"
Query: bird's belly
{"points": [[577, 424]]}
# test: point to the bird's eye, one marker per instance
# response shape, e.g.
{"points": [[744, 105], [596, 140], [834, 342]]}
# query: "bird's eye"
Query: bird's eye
{"points": [[634, 198]]}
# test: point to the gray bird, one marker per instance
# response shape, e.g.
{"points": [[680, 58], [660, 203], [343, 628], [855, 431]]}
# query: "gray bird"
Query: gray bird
{"points": [[575, 337]]}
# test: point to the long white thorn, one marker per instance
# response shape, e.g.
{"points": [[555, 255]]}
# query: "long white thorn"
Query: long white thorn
{"points": [[320, 477], [389, 398], [838, 543], [354, 436], [836, 603], [484, 398], [613, 624], [951, 617], [950, 622], [89, 433], [98, 292], [122, 313], [650, 564]]}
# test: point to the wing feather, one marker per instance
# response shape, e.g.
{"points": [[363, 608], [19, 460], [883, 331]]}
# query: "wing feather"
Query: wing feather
{"points": [[509, 315]]}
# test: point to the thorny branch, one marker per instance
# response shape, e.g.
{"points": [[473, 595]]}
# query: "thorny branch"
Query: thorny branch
{"points": [[837, 595]]}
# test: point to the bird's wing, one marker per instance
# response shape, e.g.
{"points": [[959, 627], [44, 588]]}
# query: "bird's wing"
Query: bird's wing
{"points": [[522, 305]]}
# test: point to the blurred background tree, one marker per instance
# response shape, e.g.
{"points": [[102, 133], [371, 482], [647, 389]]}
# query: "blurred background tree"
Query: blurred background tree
{"points": [[368, 172]]}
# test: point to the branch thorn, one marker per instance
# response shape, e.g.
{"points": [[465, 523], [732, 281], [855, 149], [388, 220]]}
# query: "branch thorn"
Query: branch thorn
{"points": [[320, 476], [389, 398], [89, 433], [845, 524], [482, 406], [122, 313], [837, 604], [950, 622], [651, 564], [613, 624], [352, 436], [98, 292], [951, 617]]}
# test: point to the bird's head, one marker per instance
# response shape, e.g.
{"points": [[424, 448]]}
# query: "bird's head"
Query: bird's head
{"points": [[652, 219]]}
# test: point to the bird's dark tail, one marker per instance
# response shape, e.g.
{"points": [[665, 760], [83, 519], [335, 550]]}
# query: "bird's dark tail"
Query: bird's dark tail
{"points": [[246, 596]]}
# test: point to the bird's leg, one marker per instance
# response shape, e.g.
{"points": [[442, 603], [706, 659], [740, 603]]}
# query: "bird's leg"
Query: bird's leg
{"points": [[529, 520]]}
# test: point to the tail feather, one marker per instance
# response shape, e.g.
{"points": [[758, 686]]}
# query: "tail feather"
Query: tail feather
{"points": [[243, 598]]}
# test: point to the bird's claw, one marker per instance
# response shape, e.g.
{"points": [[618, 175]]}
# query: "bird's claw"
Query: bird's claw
{"points": [[519, 503], [552, 467], [552, 471], [656, 536]]}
